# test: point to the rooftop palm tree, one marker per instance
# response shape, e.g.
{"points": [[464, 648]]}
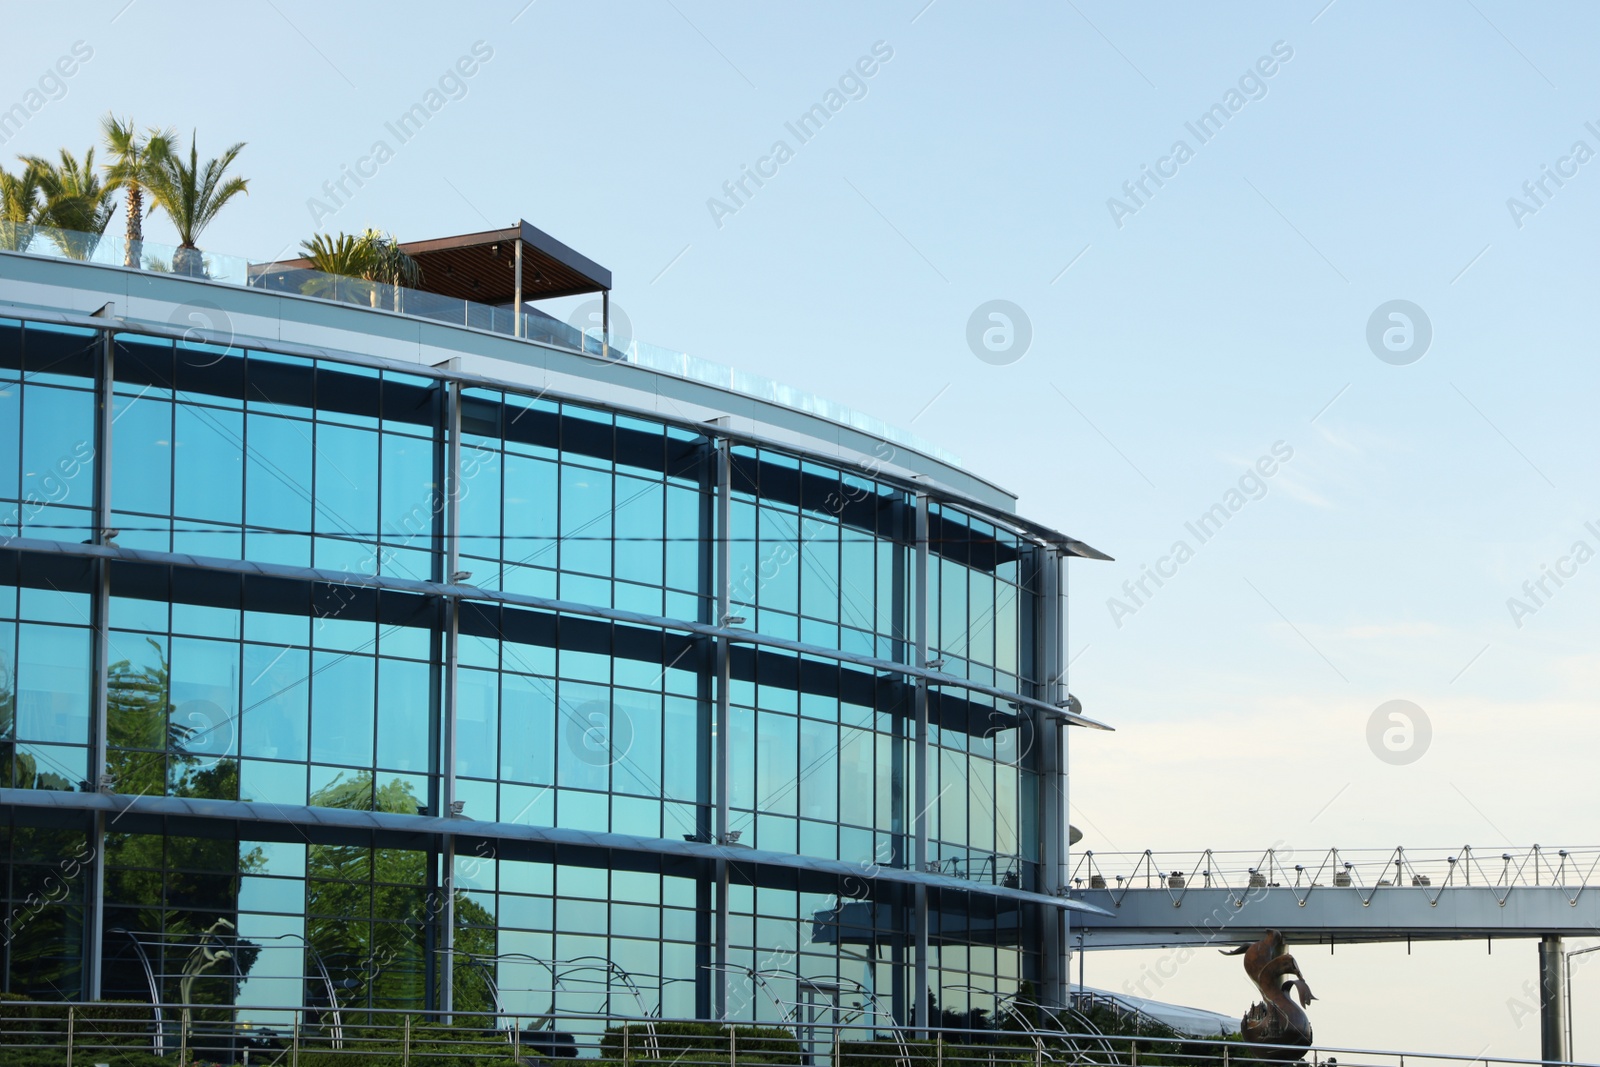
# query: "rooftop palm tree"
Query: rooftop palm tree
{"points": [[389, 262], [75, 205], [191, 195], [133, 160], [372, 256], [19, 204], [336, 258]]}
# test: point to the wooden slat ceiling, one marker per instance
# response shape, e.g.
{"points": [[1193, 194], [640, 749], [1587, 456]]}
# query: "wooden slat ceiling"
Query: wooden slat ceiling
{"points": [[485, 273]]}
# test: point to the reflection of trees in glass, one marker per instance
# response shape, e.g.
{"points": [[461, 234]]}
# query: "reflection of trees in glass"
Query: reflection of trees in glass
{"points": [[372, 918], [19, 770], [137, 705], [148, 748], [168, 890], [44, 916]]}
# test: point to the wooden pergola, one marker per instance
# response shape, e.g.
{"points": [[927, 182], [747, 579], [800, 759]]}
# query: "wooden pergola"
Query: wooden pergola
{"points": [[501, 268]]}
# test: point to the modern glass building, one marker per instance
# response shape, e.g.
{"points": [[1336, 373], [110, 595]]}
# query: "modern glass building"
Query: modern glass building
{"points": [[423, 666]]}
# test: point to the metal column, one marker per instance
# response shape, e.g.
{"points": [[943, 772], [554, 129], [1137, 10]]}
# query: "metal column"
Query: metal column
{"points": [[1052, 766], [1552, 1001], [902, 841], [447, 720], [724, 677], [100, 618], [605, 323], [920, 819], [705, 668], [516, 307]]}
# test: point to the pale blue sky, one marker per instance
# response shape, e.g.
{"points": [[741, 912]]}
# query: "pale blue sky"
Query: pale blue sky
{"points": [[1219, 319]]}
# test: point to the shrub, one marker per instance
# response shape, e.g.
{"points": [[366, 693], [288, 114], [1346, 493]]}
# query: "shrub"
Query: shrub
{"points": [[752, 1044], [119, 1024], [1002, 1051]]}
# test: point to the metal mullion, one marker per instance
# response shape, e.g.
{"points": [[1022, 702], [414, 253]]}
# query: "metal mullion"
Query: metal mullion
{"points": [[901, 728], [705, 697], [1052, 789], [100, 617], [724, 662], [920, 818], [445, 959]]}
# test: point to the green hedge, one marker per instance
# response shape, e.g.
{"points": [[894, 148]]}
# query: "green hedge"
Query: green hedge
{"points": [[57, 1057], [431, 1043], [117, 1023], [1005, 1050], [752, 1044], [421, 1056]]}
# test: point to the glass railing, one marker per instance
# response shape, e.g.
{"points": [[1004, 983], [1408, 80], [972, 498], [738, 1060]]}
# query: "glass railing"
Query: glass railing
{"points": [[113, 250]]}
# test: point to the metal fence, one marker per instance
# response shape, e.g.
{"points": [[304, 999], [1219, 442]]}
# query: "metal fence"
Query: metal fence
{"points": [[143, 1035]]}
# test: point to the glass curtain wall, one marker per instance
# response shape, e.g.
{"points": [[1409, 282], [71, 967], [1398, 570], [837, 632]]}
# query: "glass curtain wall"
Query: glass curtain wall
{"points": [[298, 690]]}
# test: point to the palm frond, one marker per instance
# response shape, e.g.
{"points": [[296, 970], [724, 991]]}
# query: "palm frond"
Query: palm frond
{"points": [[19, 204], [73, 200]]}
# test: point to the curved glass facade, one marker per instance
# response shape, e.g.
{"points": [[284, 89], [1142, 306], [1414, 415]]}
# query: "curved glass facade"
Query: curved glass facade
{"points": [[637, 666]]}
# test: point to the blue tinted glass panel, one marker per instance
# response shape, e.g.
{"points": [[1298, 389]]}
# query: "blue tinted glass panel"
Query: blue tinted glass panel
{"points": [[277, 686], [404, 689], [52, 683], [208, 475], [342, 701]]}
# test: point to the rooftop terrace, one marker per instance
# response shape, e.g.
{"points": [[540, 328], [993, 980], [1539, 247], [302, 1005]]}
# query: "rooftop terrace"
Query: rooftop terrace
{"points": [[489, 266]]}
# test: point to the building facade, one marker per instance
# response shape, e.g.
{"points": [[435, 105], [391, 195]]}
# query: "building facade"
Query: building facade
{"points": [[423, 667]]}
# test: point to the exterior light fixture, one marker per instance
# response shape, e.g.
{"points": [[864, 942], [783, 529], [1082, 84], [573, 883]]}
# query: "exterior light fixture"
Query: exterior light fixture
{"points": [[458, 577]]}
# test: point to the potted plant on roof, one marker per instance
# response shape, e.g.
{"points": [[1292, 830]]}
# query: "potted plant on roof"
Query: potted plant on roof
{"points": [[191, 195]]}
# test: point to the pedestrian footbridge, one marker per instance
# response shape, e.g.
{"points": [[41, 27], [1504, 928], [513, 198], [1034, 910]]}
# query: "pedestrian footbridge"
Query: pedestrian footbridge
{"points": [[1155, 899], [1398, 894]]}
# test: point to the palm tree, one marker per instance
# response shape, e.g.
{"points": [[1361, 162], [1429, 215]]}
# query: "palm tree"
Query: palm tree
{"points": [[19, 205], [389, 263], [191, 196], [133, 162], [75, 206], [372, 256], [335, 258]]}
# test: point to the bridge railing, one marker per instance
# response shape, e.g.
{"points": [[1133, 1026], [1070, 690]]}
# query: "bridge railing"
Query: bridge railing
{"points": [[1572, 870], [140, 1035]]}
